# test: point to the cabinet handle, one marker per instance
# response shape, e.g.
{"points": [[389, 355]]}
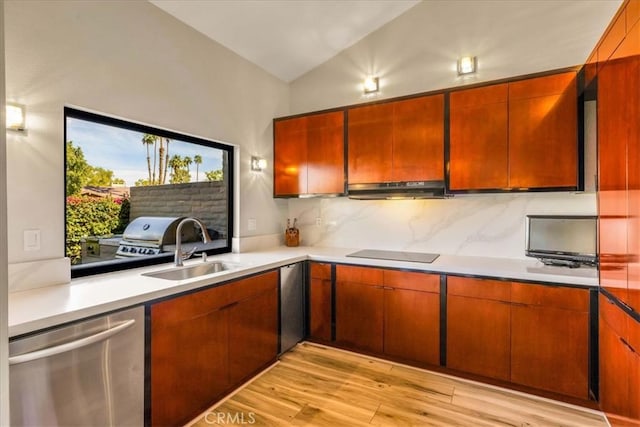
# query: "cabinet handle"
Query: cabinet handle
{"points": [[69, 346], [388, 288], [517, 304], [224, 307], [378, 287], [627, 344]]}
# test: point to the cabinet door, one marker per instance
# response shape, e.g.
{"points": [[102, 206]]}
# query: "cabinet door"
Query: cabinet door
{"points": [[253, 335], [290, 156], [613, 202], [418, 139], [478, 148], [615, 359], [543, 142], [359, 315], [370, 143], [478, 336], [325, 154], [412, 325], [320, 302], [189, 365], [550, 349]]}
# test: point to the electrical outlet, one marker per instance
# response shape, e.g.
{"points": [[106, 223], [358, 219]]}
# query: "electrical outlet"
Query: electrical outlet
{"points": [[252, 224], [31, 240], [318, 221]]}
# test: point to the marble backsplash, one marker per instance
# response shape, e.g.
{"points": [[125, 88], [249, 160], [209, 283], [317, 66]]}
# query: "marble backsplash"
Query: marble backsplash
{"points": [[490, 225]]}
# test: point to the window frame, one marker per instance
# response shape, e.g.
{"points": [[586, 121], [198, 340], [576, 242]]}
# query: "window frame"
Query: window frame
{"points": [[99, 267]]}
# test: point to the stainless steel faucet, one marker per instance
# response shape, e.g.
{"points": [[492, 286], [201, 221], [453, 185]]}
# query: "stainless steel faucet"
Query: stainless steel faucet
{"points": [[181, 256]]}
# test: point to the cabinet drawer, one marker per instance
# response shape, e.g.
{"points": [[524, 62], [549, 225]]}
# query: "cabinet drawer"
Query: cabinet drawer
{"points": [[368, 275], [320, 271], [411, 280], [246, 288], [479, 288], [179, 309], [550, 296]]}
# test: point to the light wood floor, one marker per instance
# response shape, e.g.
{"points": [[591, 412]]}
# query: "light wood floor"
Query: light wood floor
{"points": [[319, 386]]}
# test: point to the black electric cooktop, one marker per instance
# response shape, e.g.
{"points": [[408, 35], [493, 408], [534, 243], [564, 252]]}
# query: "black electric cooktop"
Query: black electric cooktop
{"points": [[396, 255]]}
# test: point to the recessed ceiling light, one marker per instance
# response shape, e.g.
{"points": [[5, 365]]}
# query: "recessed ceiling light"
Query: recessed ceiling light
{"points": [[467, 65]]}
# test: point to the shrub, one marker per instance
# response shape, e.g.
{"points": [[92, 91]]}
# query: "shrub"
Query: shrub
{"points": [[89, 217]]}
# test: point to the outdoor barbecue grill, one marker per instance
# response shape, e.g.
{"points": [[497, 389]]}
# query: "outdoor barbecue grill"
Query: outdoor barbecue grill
{"points": [[150, 235]]}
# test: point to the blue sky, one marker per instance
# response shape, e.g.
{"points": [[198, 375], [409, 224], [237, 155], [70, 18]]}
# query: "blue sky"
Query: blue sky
{"points": [[122, 151]]}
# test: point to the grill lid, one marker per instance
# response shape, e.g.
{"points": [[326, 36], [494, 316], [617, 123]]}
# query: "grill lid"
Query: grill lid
{"points": [[157, 230]]}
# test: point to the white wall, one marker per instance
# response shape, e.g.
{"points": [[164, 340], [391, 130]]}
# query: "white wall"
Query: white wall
{"points": [[415, 53], [131, 60], [4, 331]]}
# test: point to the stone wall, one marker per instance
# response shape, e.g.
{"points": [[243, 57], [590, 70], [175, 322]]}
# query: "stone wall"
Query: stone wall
{"points": [[204, 200]]}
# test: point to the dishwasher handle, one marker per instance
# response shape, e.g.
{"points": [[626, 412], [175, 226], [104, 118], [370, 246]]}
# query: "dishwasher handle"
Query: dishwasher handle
{"points": [[69, 346]]}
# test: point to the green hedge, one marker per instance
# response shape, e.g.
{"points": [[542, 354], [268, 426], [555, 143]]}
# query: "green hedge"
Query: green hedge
{"points": [[87, 217]]}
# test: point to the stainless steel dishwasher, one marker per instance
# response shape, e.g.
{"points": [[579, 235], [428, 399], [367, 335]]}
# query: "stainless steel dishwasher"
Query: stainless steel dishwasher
{"points": [[291, 306], [89, 373]]}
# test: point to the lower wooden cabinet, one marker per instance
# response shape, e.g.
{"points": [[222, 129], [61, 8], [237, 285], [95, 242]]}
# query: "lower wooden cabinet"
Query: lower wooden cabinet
{"points": [[360, 308], [412, 325], [528, 334], [253, 336], [205, 343], [550, 338], [619, 365], [479, 326], [320, 301], [533, 335], [389, 312]]}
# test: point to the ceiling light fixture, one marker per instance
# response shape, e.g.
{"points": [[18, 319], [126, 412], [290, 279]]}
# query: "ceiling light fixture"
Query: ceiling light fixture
{"points": [[16, 116], [371, 85], [467, 65], [258, 164]]}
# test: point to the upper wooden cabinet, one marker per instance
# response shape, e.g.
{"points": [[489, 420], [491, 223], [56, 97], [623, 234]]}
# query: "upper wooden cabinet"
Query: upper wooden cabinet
{"points": [[516, 135], [397, 141], [479, 151], [309, 155], [543, 124]]}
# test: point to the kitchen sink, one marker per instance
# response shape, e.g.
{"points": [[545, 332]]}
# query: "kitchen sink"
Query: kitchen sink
{"points": [[191, 271]]}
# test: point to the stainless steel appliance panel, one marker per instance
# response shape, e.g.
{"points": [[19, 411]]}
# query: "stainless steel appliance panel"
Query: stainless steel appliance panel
{"points": [[86, 374], [291, 306]]}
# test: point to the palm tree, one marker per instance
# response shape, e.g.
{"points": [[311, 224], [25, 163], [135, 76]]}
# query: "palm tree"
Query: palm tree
{"points": [[161, 164], [149, 140], [187, 162], [197, 159], [166, 161]]}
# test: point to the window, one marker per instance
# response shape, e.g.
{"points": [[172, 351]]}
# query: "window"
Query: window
{"points": [[128, 186]]}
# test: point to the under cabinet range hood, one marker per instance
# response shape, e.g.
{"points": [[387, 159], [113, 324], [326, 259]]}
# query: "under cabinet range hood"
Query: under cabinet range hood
{"points": [[397, 190]]}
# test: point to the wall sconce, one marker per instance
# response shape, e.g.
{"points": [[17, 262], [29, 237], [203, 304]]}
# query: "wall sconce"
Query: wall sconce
{"points": [[371, 85], [467, 65], [258, 164], [16, 115]]}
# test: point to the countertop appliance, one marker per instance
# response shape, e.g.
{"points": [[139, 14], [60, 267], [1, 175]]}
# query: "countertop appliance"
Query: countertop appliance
{"points": [[89, 373], [291, 306], [397, 190], [395, 255], [569, 240], [148, 235]]}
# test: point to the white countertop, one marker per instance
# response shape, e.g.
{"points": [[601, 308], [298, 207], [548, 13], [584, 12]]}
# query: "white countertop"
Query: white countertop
{"points": [[41, 308]]}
